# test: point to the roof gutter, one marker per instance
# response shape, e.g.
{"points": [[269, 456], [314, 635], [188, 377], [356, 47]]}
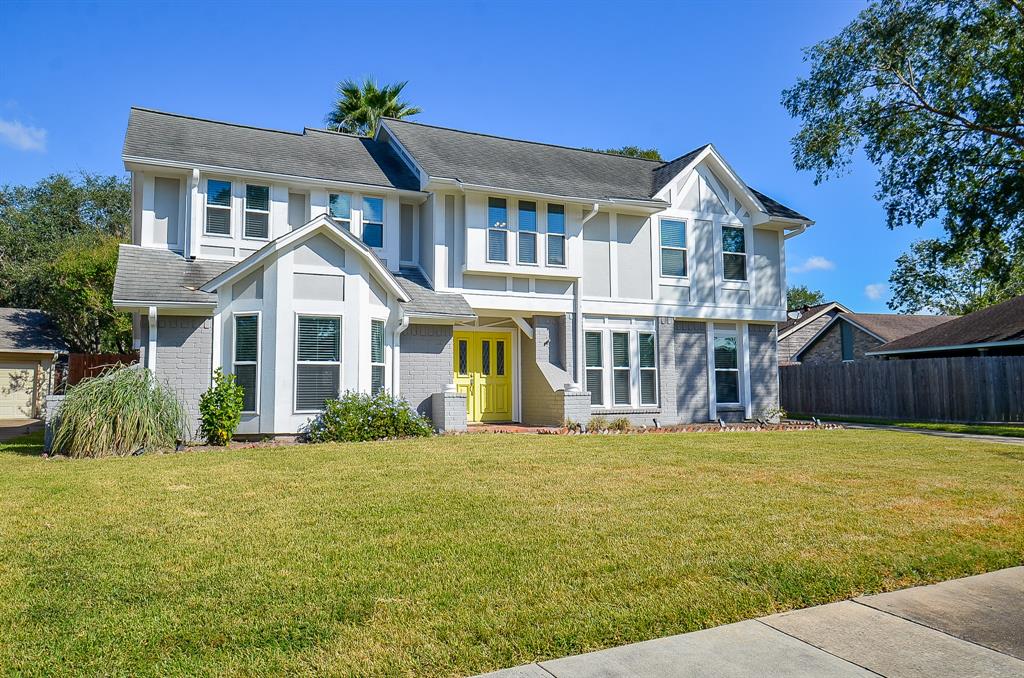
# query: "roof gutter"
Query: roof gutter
{"points": [[796, 231], [951, 347]]}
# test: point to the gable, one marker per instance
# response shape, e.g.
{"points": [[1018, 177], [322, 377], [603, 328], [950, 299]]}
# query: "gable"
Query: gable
{"points": [[320, 251], [702, 190]]}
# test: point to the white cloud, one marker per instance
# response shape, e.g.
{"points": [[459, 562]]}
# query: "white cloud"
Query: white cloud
{"points": [[874, 291], [22, 137], [814, 264]]}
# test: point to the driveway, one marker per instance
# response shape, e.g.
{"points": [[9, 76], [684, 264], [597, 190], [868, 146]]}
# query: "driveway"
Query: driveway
{"points": [[964, 627], [12, 428]]}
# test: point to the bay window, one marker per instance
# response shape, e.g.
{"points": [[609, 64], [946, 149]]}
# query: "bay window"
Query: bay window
{"points": [[257, 212], [527, 232], [340, 206], [218, 207], [673, 248], [734, 253], [376, 356], [727, 366], [373, 222], [317, 362], [497, 230], [245, 359], [556, 235]]}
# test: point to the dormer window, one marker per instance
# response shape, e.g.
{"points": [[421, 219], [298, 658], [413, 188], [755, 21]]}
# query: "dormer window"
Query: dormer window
{"points": [[340, 206], [257, 212], [527, 232], [218, 207], [373, 222], [497, 230], [734, 253]]}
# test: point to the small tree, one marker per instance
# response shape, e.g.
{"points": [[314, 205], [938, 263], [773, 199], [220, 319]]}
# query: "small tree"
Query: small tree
{"points": [[220, 409], [799, 296]]}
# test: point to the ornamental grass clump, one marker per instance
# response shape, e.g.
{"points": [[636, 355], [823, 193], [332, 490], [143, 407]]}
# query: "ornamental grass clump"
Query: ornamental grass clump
{"points": [[357, 417], [123, 411]]}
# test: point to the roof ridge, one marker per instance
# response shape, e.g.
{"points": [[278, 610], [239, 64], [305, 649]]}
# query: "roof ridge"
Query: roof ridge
{"points": [[216, 122], [683, 155], [522, 141], [340, 134]]}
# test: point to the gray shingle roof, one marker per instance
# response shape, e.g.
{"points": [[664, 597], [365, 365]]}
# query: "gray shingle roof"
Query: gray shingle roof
{"points": [[146, 274], [28, 329], [317, 154], [1001, 322], [425, 301], [777, 209]]}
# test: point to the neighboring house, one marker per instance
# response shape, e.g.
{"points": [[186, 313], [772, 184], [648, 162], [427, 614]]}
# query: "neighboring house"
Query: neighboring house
{"points": [[853, 336], [996, 330], [29, 346], [546, 283], [796, 332]]}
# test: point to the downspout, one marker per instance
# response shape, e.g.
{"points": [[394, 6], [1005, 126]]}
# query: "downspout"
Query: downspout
{"points": [[396, 360], [578, 311]]}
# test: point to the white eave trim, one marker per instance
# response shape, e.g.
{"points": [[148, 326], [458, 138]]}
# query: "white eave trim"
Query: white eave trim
{"points": [[136, 303], [272, 176], [950, 347]]}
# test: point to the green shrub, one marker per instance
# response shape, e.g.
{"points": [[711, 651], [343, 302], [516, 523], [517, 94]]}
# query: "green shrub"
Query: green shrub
{"points": [[120, 412], [356, 417], [597, 423], [621, 425], [220, 409]]}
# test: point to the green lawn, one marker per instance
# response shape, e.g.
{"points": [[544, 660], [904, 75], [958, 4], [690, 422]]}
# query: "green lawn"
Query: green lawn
{"points": [[462, 554], [1011, 430]]}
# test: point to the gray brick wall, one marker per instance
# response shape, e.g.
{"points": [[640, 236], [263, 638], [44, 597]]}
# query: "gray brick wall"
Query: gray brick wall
{"points": [[829, 347], [448, 411], [426, 364], [541, 404], [764, 368], [691, 353], [184, 356]]}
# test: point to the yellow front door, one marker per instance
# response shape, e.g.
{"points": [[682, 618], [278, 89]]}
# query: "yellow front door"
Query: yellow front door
{"points": [[483, 371]]}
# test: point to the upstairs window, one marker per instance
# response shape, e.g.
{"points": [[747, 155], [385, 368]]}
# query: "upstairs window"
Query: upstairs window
{"points": [[673, 248], [527, 232], [317, 362], [376, 356], [340, 206], [218, 207], [257, 212], [734, 253], [727, 367], [497, 230], [556, 235], [245, 361], [373, 222]]}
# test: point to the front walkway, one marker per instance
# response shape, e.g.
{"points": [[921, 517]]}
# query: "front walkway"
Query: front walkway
{"points": [[1007, 440], [964, 627]]}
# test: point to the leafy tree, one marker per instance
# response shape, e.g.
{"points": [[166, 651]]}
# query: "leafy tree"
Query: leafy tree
{"points": [[928, 279], [631, 152], [933, 90], [801, 295], [359, 108]]}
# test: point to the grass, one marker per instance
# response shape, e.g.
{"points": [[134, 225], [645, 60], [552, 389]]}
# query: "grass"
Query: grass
{"points": [[463, 554], [1011, 430]]}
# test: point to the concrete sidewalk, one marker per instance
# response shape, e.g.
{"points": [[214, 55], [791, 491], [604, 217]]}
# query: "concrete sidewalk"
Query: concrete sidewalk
{"points": [[964, 627], [982, 437]]}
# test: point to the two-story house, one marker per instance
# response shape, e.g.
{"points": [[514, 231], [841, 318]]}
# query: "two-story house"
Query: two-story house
{"points": [[545, 283]]}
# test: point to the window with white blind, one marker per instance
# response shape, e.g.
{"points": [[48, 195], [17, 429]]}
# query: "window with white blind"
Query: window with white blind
{"points": [[497, 230], [317, 362], [556, 235], [340, 207], [376, 356], [257, 212], [673, 248], [595, 367], [648, 360], [218, 207], [527, 232], [620, 368], [373, 222], [727, 367], [245, 359], [734, 253]]}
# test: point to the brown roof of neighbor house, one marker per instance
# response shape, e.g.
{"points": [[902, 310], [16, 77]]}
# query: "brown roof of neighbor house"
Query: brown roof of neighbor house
{"points": [[892, 326], [28, 329], [1001, 322]]}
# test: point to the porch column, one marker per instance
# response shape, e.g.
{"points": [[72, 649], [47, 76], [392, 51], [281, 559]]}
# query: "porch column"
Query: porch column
{"points": [[151, 344]]}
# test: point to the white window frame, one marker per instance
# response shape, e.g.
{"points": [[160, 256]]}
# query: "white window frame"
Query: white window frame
{"points": [[684, 249], [633, 327], [259, 351], [383, 364], [207, 207], [296, 361], [534, 233], [364, 221], [246, 209], [548, 235], [600, 368], [628, 369], [746, 269], [728, 332], [640, 369], [504, 230], [346, 223]]}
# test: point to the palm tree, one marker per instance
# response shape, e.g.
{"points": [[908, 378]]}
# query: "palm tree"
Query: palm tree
{"points": [[359, 108]]}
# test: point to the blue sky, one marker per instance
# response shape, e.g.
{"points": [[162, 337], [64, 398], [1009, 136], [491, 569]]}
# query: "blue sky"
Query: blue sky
{"points": [[669, 75]]}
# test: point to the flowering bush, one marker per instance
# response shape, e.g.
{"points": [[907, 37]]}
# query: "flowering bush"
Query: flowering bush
{"points": [[356, 417]]}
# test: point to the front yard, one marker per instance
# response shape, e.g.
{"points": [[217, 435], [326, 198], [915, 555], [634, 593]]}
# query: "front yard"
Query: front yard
{"points": [[461, 554]]}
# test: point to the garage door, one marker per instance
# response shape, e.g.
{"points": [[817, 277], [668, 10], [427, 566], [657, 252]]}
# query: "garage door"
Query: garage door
{"points": [[17, 388]]}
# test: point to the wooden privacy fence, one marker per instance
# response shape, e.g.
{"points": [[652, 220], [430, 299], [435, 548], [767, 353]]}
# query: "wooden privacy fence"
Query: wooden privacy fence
{"points": [[85, 365], [976, 389]]}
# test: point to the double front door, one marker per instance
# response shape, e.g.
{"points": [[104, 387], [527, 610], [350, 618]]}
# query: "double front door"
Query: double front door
{"points": [[483, 371]]}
